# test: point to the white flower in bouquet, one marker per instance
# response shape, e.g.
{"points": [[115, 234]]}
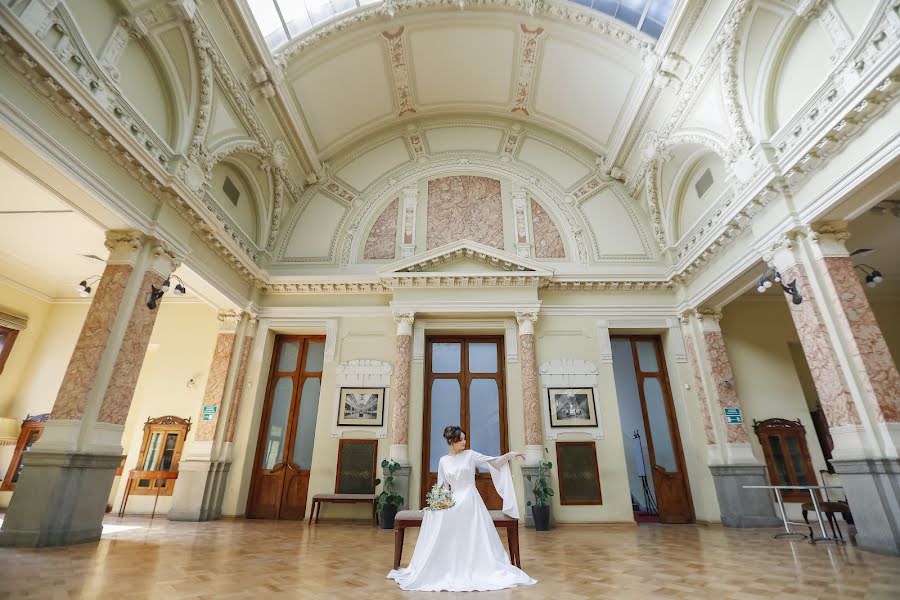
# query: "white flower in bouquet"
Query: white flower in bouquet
{"points": [[439, 498]]}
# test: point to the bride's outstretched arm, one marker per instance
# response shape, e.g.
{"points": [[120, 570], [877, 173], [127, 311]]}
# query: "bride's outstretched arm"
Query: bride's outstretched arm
{"points": [[496, 461]]}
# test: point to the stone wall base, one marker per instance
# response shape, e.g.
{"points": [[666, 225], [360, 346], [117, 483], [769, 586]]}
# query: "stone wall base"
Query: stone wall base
{"points": [[60, 499], [741, 507]]}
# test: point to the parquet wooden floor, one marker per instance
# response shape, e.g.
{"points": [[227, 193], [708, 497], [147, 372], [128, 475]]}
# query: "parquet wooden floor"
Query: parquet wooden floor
{"points": [[227, 560]]}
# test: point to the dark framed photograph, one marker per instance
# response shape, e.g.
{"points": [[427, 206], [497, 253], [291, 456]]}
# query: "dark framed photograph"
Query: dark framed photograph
{"points": [[572, 407], [361, 406]]}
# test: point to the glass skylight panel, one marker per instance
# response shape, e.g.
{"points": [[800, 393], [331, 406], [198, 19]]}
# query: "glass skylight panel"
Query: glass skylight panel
{"points": [[282, 20]]}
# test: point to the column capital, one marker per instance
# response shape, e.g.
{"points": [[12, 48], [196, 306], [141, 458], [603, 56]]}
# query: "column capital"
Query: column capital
{"points": [[229, 319], [828, 239], [163, 259], [526, 321], [404, 322], [709, 319], [124, 245], [781, 255]]}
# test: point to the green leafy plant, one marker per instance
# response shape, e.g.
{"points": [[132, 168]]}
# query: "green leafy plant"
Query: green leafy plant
{"points": [[541, 481], [389, 493]]}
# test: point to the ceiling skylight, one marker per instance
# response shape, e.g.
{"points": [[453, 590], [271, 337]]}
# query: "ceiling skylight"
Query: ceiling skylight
{"points": [[283, 20]]}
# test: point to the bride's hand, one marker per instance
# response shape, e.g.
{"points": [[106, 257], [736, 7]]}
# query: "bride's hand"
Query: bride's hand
{"points": [[518, 455]]}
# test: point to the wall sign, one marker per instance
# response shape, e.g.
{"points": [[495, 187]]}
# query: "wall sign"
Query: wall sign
{"points": [[209, 412], [733, 416]]}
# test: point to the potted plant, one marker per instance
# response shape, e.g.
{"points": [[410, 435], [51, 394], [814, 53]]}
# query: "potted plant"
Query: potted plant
{"points": [[388, 501], [540, 510]]}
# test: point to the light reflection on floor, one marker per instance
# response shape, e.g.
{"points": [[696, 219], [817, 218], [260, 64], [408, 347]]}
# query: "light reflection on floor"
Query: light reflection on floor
{"points": [[108, 529]]}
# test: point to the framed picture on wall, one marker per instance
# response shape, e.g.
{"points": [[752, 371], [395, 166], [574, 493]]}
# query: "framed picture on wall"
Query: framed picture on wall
{"points": [[362, 406], [572, 407]]}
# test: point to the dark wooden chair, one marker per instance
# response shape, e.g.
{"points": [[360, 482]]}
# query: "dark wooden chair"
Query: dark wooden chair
{"points": [[355, 480], [413, 518]]}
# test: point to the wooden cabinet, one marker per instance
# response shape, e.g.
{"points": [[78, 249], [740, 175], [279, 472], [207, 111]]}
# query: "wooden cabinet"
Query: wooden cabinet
{"points": [[32, 428], [787, 455]]}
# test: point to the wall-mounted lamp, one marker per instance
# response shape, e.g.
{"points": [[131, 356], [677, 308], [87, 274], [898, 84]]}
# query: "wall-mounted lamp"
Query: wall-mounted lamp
{"points": [[84, 289], [791, 289], [157, 292], [873, 276]]}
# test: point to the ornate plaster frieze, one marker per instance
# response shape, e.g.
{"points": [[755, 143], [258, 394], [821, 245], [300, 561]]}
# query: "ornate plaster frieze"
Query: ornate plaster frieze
{"points": [[511, 141], [391, 184], [399, 71], [557, 10], [596, 285], [416, 140], [528, 50], [204, 108], [328, 288]]}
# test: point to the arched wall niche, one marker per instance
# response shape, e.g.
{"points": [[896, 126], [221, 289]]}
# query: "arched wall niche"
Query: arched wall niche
{"points": [[234, 183], [700, 182]]}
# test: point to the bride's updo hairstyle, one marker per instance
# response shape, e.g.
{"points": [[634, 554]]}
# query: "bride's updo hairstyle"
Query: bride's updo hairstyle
{"points": [[453, 433]]}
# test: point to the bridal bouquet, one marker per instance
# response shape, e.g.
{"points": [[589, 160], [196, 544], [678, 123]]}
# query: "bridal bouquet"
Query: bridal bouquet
{"points": [[439, 498]]}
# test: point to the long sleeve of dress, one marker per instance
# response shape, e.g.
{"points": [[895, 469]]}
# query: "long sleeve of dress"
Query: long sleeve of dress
{"points": [[441, 478], [501, 476]]}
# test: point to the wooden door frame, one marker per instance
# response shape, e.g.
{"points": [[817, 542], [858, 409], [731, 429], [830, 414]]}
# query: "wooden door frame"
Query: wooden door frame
{"points": [[464, 378], [671, 417], [298, 376]]}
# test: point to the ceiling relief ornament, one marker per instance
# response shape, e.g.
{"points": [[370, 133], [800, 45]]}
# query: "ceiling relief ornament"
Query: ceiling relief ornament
{"points": [[547, 241], [528, 50], [570, 12], [399, 71], [542, 188], [381, 242], [464, 207]]}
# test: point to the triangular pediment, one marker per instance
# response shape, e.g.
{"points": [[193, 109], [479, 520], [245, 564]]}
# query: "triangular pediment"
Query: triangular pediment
{"points": [[466, 257]]}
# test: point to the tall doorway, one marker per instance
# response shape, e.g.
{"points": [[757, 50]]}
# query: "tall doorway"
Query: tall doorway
{"points": [[280, 481], [656, 471], [464, 385]]}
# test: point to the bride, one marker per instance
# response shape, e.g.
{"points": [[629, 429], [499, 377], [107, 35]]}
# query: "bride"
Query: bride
{"points": [[458, 549]]}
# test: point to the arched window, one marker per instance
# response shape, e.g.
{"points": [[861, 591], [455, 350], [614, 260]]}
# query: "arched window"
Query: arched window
{"points": [[787, 455]]}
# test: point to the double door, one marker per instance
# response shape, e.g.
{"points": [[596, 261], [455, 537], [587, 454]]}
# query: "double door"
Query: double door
{"points": [[464, 385], [287, 432]]}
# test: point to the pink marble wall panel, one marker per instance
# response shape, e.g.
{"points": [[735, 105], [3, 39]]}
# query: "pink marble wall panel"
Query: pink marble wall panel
{"points": [[238, 388], [547, 241], [400, 392], [701, 391], [382, 240], [723, 379], [82, 371], [530, 396], [117, 400], [464, 207], [826, 371], [869, 353], [215, 385]]}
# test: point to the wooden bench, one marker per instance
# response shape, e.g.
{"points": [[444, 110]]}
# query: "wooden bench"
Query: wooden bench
{"points": [[413, 518], [319, 499]]}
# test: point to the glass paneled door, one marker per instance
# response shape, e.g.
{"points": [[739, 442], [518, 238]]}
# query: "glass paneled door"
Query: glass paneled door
{"points": [[284, 451], [666, 458], [464, 386]]}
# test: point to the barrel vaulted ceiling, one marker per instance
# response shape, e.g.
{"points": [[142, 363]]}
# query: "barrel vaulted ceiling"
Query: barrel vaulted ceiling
{"points": [[599, 133]]}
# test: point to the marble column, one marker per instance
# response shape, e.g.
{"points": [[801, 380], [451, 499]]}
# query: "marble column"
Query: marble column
{"points": [[203, 469], [61, 496], [399, 451], [730, 456], [534, 437], [856, 379]]}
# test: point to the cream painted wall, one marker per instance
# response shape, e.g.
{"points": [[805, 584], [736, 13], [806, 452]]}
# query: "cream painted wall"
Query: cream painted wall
{"points": [[21, 304], [757, 333], [181, 349], [887, 313], [57, 329]]}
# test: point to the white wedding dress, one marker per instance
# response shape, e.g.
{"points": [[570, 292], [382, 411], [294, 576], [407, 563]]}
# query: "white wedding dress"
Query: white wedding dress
{"points": [[458, 549]]}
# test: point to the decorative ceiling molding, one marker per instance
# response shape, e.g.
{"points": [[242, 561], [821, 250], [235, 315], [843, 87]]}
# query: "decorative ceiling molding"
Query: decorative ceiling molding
{"points": [[399, 71], [528, 50], [556, 10]]}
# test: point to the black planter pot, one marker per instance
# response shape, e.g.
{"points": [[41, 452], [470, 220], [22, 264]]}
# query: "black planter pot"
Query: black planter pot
{"points": [[541, 516], [387, 514]]}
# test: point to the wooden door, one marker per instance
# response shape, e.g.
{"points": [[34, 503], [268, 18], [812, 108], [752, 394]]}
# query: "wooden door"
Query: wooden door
{"points": [[673, 495], [280, 482], [464, 385]]}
